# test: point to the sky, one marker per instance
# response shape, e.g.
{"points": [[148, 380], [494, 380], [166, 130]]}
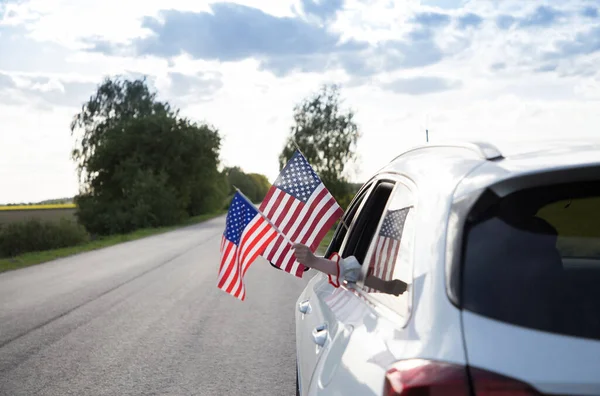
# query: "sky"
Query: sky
{"points": [[479, 70]]}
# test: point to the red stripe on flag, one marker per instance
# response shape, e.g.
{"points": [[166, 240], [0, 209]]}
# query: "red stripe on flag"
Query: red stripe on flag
{"points": [[316, 221], [286, 227], [274, 203], [249, 239], [312, 206], [289, 200], [321, 234], [245, 261], [230, 263], [265, 201]]}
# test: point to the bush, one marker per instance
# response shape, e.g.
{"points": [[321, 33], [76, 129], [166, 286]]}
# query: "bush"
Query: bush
{"points": [[150, 202], [35, 235]]}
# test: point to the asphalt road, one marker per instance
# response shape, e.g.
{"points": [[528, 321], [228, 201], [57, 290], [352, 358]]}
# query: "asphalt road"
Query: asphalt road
{"points": [[146, 318]]}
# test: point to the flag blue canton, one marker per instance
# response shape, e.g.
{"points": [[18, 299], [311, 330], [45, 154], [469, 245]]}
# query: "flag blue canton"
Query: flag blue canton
{"points": [[241, 212], [298, 178], [393, 224]]}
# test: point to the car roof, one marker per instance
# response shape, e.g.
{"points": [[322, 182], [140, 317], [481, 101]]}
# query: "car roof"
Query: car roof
{"points": [[464, 167]]}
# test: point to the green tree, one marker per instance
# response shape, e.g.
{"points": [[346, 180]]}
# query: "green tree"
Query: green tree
{"points": [[262, 185], [327, 135], [254, 185], [140, 163]]}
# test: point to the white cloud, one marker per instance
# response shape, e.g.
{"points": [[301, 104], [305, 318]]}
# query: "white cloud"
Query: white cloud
{"points": [[475, 80]]}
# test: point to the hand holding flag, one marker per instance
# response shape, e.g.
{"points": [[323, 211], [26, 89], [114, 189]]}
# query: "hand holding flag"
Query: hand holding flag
{"points": [[303, 209], [297, 209]]}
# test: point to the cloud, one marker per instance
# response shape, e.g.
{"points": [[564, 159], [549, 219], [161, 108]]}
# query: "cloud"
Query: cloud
{"points": [[583, 43], [505, 22], [448, 4], [195, 87], [233, 32], [550, 67], [421, 85], [322, 9], [498, 66], [469, 20], [590, 12], [541, 16], [66, 93], [6, 81], [431, 19], [43, 91], [413, 52]]}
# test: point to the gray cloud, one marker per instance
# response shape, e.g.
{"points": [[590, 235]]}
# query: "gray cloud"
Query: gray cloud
{"points": [[421, 85], [590, 12], [498, 66], [550, 67], [505, 22], [233, 32], [469, 20], [73, 94], [6, 81], [200, 86], [583, 43], [323, 9], [431, 19], [542, 16]]}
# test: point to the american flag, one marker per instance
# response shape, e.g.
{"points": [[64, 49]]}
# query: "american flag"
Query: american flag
{"points": [[301, 207], [387, 245], [247, 234]]}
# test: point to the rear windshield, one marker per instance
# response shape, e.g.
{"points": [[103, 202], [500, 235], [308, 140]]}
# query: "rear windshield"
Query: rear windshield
{"points": [[533, 259]]}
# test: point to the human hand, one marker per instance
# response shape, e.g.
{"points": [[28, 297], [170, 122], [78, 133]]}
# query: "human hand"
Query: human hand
{"points": [[398, 287], [303, 254]]}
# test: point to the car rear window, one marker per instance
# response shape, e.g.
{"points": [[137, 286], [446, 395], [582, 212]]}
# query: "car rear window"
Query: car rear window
{"points": [[533, 259]]}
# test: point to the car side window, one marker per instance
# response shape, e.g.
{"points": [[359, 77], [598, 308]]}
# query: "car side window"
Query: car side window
{"points": [[365, 224], [390, 252], [347, 220]]}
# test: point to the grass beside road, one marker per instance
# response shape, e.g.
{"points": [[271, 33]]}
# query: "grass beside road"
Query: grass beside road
{"points": [[325, 242], [28, 259]]}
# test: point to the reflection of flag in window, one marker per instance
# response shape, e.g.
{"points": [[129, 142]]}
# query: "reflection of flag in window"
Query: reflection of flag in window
{"points": [[387, 245], [301, 207]]}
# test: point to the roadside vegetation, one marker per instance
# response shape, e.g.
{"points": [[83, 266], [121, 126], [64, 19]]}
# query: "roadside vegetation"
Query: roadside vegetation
{"points": [[32, 258], [144, 169]]}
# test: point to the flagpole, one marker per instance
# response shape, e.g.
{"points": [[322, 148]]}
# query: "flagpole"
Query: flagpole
{"points": [[265, 217]]}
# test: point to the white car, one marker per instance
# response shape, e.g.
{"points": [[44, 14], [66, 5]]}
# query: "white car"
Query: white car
{"points": [[501, 255]]}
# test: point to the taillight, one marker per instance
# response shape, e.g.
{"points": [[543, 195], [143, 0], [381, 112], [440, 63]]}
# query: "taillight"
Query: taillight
{"points": [[423, 377], [418, 377]]}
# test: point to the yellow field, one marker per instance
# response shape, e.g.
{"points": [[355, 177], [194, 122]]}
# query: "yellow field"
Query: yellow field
{"points": [[38, 207]]}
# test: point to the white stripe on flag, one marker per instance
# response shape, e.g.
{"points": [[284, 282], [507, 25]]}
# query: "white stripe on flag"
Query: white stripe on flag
{"points": [[328, 215], [281, 242], [312, 217], [272, 201], [230, 256]]}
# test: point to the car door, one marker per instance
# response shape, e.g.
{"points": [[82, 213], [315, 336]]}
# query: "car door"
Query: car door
{"points": [[313, 327], [361, 319]]}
